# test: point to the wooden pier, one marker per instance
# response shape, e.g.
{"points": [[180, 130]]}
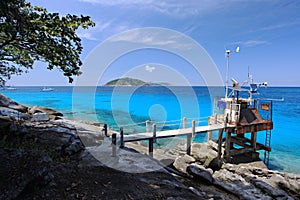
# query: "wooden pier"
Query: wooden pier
{"points": [[234, 135], [152, 136]]}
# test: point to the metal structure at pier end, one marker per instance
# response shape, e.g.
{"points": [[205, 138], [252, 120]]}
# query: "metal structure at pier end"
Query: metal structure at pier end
{"points": [[242, 114]]}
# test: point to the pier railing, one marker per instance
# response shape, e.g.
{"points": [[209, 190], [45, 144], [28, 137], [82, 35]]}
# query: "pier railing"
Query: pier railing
{"points": [[154, 130]]}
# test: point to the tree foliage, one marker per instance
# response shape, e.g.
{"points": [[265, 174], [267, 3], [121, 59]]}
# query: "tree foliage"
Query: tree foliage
{"points": [[30, 33]]}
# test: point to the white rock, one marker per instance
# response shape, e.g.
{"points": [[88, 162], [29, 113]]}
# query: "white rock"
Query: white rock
{"points": [[182, 162], [37, 117]]}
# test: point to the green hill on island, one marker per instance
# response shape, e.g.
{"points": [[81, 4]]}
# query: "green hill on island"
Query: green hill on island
{"points": [[131, 82]]}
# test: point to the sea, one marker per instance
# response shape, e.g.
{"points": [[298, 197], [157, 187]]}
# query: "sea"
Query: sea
{"points": [[166, 106]]}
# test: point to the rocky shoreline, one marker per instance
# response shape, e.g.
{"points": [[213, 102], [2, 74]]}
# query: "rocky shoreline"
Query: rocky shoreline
{"points": [[44, 156]]}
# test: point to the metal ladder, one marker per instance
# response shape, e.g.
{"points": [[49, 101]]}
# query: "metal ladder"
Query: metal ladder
{"points": [[267, 144]]}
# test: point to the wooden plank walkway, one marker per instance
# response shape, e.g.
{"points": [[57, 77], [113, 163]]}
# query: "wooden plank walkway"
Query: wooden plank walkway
{"points": [[172, 133], [152, 136]]}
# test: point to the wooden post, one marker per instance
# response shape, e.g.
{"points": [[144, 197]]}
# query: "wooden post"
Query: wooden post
{"points": [[227, 145], [220, 137], [154, 133], [151, 147], [122, 138], [253, 142], [209, 135], [114, 143], [226, 120], [105, 130], [147, 126], [188, 144], [193, 128], [184, 122]]}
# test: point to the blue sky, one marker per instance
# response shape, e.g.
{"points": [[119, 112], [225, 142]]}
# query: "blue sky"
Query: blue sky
{"points": [[268, 33]]}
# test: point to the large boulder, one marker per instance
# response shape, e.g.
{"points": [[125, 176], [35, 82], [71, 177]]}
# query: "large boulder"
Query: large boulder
{"points": [[53, 114], [200, 172], [5, 111], [41, 109], [204, 153], [9, 103], [249, 182], [181, 163]]}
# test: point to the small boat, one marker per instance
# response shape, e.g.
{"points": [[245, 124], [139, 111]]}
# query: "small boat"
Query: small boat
{"points": [[47, 89], [10, 88]]}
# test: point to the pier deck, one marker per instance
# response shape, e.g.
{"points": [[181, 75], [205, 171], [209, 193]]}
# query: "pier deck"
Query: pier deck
{"points": [[172, 133]]}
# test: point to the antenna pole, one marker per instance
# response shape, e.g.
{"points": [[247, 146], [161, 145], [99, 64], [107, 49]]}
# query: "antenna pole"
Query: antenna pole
{"points": [[227, 69]]}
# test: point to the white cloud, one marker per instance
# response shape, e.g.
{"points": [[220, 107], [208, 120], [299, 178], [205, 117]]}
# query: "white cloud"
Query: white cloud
{"points": [[278, 26], [142, 38], [149, 68], [86, 35], [91, 32], [250, 43], [174, 8]]}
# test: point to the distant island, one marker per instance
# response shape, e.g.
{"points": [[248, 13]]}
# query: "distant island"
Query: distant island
{"points": [[132, 82]]}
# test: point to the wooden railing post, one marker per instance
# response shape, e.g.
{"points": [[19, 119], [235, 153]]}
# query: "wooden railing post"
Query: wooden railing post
{"points": [[121, 138], [154, 133], [147, 126], [220, 137], [114, 143], [151, 147], [105, 130], [193, 128], [184, 122]]}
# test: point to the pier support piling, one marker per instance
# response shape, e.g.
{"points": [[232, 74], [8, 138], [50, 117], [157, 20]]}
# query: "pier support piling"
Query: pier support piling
{"points": [[227, 145], [220, 146], [188, 144], [121, 138], [154, 133], [193, 128], [151, 147], [114, 143], [105, 130]]}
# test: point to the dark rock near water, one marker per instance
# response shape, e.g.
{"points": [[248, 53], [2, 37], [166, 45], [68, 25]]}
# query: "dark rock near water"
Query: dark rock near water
{"points": [[40, 109], [5, 111], [9, 103], [200, 172]]}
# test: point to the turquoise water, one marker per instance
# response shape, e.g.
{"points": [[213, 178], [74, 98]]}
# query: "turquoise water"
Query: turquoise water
{"points": [[128, 105]]}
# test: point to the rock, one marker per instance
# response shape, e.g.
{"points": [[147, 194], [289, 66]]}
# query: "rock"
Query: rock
{"points": [[74, 147], [9, 103], [4, 111], [251, 182], [40, 117], [237, 185], [204, 153], [200, 172], [21, 175], [181, 163], [5, 122], [40, 109]]}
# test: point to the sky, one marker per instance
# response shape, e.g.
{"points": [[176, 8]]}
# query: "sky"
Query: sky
{"points": [[267, 32]]}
